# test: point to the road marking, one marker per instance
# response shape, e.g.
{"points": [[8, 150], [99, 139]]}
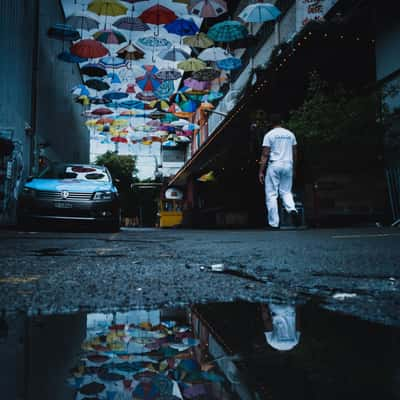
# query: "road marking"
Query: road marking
{"points": [[365, 236]]}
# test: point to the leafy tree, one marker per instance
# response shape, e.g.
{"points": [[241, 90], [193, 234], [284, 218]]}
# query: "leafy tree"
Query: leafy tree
{"points": [[122, 168]]}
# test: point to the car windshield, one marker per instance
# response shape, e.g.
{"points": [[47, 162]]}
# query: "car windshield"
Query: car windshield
{"points": [[79, 172]]}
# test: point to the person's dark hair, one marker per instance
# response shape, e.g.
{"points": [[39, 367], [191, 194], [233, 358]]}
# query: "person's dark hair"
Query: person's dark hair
{"points": [[275, 119]]}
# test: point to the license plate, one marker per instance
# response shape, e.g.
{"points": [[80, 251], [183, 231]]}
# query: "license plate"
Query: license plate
{"points": [[62, 204]]}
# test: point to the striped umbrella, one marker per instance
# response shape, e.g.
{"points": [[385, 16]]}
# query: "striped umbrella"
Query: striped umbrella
{"points": [[131, 24], [113, 62], [174, 54], [131, 52], [200, 40], [191, 64], [168, 74], [208, 8], [109, 36], [149, 82], [82, 22], [165, 90], [206, 74], [214, 54]]}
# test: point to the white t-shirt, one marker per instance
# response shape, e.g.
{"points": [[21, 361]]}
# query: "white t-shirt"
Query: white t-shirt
{"points": [[281, 142]]}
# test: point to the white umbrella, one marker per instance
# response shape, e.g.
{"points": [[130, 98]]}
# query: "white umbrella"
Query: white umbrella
{"points": [[259, 13], [214, 54]]}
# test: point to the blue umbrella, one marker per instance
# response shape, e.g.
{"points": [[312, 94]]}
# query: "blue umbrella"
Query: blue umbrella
{"points": [[115, 95], [174, 54], [148, 82], [230, 63], [227, 31], [165, 90], [63, 32], [153, 42], [132, 104], [113, 62], [182, 27], [114, 77], [70, 58], [189, 106], [80, 90]]}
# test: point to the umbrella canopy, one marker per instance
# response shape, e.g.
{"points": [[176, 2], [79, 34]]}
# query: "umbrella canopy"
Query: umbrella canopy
{"points": [[104, 121], [131, 24], [119, 139], [212, 96], [111, 8], [89, 48], [70, 58], [92, 69], [189, 106], [174, 54], [168, 74], [227, 31], [191, 64], [131, 52], [80, 90], [130, 88], [99, 100], [208, 8], [82, 22], [132, 104], [158, 15], [230, 63], [146, 96], [200, 40], [214, 54], [148, 82], [160, 105], [102, 111], [109, 36], [97, 84], [182, 27], [196, 85], [165, 90], [115, 95], [114, 77], [63, 32], [178, 98], [154, 43], [127, 113], [206, 74], [259, 13], [113, 62]]}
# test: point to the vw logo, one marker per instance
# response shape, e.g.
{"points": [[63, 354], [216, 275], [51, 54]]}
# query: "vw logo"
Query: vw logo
{"points": [[64, 194]]}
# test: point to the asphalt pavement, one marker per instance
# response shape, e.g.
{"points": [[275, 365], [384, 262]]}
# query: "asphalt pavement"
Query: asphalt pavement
{"points": [[356, 271]]}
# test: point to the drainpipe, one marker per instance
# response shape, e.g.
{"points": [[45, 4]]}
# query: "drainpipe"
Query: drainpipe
{"points": [[34, 163]]}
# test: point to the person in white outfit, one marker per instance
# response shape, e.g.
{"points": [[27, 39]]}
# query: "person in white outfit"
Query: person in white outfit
{"points": [[280, 152]]}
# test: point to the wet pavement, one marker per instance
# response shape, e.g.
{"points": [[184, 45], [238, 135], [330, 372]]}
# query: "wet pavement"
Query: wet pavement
{"points": [[203, 351], [54, 271]]}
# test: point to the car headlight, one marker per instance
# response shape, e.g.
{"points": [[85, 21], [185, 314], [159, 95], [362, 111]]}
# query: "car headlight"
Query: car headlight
{"points": [[106, 195], [28, 192]]}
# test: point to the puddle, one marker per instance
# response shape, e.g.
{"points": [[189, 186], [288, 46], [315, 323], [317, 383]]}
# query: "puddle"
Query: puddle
{"points": [[204, 351]]}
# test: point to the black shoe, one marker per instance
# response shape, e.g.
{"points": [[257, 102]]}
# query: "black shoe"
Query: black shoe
{"points": [[295, 218], [272, 228]]}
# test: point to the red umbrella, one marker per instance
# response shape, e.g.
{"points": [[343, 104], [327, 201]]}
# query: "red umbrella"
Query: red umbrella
{"points": [[102, 111], [89, 48], [158, 15], [130, 88], [119, 139]]}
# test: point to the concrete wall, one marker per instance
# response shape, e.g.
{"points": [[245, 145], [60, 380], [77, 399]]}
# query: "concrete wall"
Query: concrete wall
{"points": [[58, 120]]}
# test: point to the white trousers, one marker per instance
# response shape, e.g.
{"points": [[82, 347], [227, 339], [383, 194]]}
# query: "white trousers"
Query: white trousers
{"points": [[278, 180]]}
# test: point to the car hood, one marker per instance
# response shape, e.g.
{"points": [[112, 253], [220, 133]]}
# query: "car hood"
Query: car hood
{"points": [[71, 185]]}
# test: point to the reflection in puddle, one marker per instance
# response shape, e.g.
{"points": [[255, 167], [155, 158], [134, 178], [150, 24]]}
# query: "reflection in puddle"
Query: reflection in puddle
{"points": [[208, 351]]}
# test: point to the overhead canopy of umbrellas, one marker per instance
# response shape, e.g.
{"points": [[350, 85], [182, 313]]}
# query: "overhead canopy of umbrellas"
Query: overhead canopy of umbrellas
{"points": [[147, 55]]}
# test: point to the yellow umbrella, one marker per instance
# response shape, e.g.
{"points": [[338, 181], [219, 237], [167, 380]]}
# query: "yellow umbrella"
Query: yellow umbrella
{"points": [[200, 40], [192, 64], [110, 8], [91, 122], [84, 99], [120, 122]]}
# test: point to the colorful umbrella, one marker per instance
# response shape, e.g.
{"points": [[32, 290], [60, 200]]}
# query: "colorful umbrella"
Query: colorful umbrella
{"points": [[148, 82], [158, 15], [114, 77], [191, 64], [168, 74], [115, 95], [178, 98], [206, 74], [182, 27], [109, 36], [189, 106], [63, 32], [197, 85], [259, 13], [229, 64], [92, 69], [82, 22], [131, 24], [131, 52], [146, 96], [227, 31], [113, 62], [160, 105], [132, 104], [110, 8], [102, 111], [153, 42], [208, 8], [174, 54], [165, 90], [97, 84], [80, 90], [89, 48], [214, 54], [66, 56], [200, 40], [104, 121]]}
